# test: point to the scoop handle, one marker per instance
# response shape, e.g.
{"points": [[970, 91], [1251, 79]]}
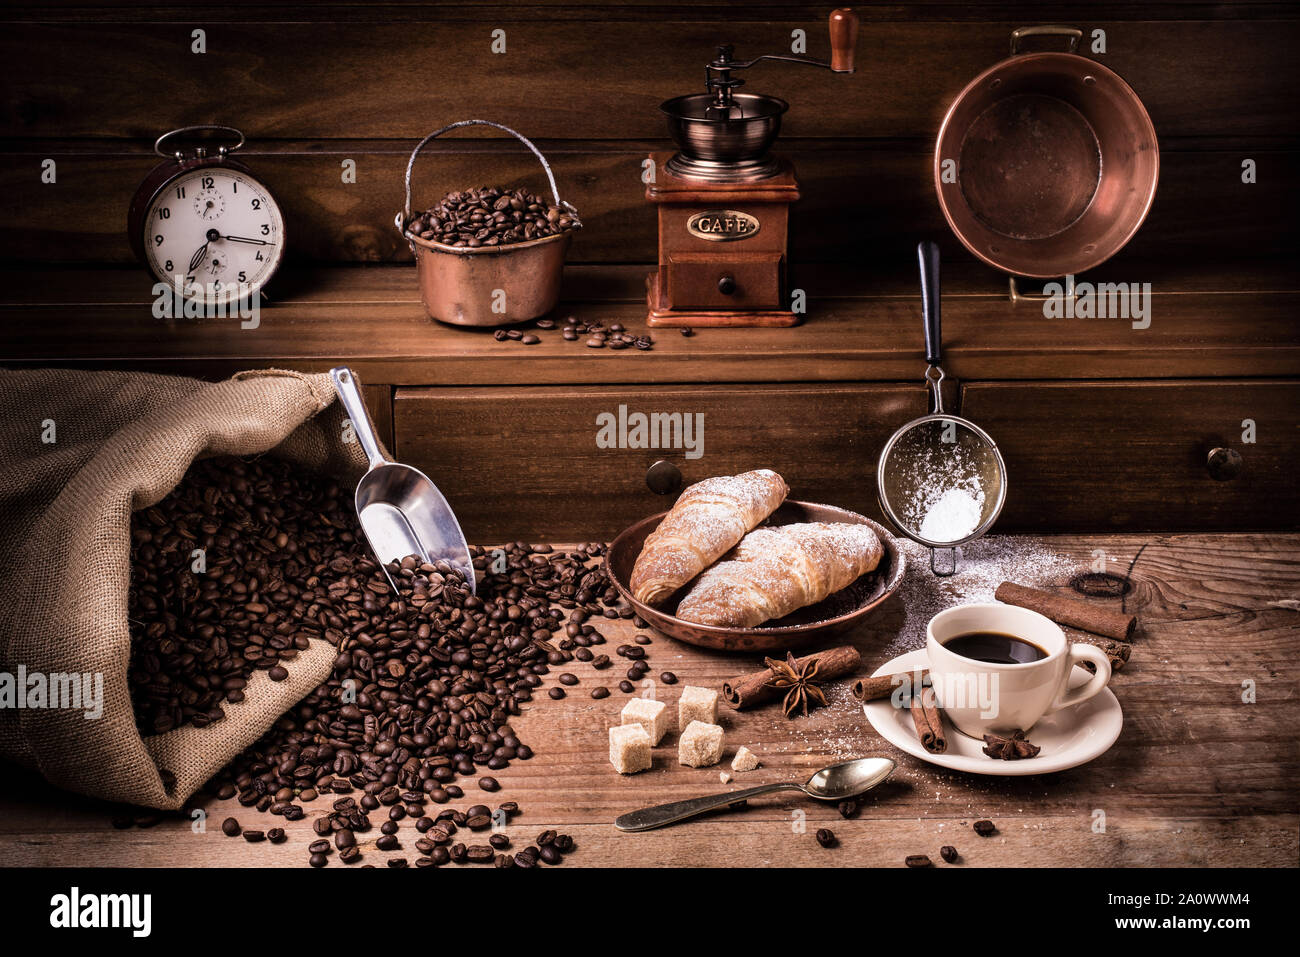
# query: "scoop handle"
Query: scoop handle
{"points": [[927, 253], [345, 384]]}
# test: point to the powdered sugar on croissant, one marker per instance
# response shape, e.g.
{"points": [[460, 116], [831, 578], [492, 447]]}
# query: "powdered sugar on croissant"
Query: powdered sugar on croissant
{"points": [[709, 518], [774, 571]]}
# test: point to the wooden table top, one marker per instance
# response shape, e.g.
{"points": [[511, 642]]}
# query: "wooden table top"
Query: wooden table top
{"points": [[1197, 777]]}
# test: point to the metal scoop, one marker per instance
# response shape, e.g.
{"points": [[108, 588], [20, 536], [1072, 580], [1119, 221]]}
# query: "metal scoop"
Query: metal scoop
{"points": [[400, 509], [836, 783], [941, 478]]}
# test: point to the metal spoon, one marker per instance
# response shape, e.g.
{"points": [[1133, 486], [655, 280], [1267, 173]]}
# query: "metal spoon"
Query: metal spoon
{"points": [[836, 783]]}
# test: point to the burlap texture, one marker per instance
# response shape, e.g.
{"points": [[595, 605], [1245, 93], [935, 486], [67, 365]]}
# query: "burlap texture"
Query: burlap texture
{"points": [[123, 441]]}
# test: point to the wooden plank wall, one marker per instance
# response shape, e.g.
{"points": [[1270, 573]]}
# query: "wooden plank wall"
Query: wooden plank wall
{"points": [[312, 85]]}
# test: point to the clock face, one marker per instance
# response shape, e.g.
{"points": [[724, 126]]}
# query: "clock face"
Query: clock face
{"points": [[217, 232]]}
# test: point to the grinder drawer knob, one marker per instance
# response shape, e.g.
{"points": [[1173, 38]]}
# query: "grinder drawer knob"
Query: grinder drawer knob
{"points": [[726, 285], [663, 478], [1224, 464]]}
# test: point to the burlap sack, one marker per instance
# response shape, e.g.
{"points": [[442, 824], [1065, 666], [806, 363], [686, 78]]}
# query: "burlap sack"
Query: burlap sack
{"points": [[123, 441]]}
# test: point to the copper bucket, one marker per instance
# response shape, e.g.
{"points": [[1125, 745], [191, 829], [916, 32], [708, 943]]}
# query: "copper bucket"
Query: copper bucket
{"points": [[1057, 162], [488, 285]]}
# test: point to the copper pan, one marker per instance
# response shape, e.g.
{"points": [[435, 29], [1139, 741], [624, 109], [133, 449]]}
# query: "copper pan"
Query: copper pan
{"points": [[1057, 162]]}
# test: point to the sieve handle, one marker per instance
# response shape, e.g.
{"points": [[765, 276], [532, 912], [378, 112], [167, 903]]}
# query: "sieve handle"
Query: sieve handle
{"points": [[927, 252]]}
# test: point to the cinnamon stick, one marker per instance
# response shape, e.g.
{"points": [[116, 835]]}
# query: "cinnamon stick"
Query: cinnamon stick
{"points": [[752, 689], [882, 686], [1065, 610], [928, 721]]}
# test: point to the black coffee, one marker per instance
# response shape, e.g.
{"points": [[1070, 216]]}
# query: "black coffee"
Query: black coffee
{"points": [[995, 648]]}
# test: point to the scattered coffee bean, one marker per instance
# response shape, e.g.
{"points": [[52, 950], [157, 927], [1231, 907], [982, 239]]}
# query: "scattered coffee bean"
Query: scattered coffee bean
{"points": [[568, 679], [984, 828], [230, 827], [599, 693], [489, 784], [949, 853], [626, 687], [276, 835], [319, 860], [847, 808], [918, 860], [253, 837], [826, 837]]}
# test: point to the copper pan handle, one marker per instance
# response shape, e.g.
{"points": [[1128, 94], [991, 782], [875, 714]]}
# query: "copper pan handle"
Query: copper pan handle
{"points": [[1074, 33]]}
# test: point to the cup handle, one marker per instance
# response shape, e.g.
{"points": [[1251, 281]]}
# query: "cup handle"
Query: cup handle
{"points": [[1078, 653]]}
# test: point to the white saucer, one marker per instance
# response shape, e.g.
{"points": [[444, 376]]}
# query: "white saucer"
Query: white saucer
{"points": [[1068, 738]]}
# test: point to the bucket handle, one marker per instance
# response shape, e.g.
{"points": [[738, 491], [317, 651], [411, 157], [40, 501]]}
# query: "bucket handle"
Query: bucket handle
{"points": [[555, 191]]}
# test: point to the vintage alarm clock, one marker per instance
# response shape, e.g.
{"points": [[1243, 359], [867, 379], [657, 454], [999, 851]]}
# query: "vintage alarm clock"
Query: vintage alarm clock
{"points": [[204, 224]]}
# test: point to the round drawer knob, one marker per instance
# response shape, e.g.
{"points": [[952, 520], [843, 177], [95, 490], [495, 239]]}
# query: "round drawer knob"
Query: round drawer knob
{"points": [[1224, 464], [726, 285], [663, 478]]}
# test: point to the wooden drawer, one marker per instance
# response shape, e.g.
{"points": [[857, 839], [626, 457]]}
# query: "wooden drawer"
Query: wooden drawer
{"points": [[1104, 456], [524, 463], [715, 281]]}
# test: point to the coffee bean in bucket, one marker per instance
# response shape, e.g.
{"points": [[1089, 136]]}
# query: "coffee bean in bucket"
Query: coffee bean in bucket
{"points": [[490, 216]]}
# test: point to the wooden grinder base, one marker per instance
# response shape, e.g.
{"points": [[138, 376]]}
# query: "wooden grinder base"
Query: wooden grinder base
{"points": [[686, 289]]}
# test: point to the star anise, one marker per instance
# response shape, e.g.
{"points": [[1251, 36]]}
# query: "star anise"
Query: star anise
{"points": [[798, 681], [1009, 748]]}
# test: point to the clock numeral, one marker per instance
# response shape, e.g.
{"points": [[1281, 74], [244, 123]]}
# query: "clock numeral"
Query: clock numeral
{"points": [[243, 277], [266, 230], [158, 240], [257, 204], [234, 186], [208, 182], [164, 212], [167, 266], [259, 256], [180, 192]]}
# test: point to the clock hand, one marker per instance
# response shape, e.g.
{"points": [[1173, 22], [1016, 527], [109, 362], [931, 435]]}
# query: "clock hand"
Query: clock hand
{"points": [[210, 236], [241, 239], [198, 257]]}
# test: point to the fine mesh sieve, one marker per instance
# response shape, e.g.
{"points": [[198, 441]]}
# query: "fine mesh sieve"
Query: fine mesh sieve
{"points": [[941, 478]]}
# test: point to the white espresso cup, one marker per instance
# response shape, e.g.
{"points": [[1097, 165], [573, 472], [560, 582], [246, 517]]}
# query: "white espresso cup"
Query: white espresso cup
{"points": [[981, 697]]}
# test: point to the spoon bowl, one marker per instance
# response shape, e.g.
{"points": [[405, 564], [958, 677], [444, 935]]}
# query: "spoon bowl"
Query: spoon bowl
{"points": [[840, 782]]}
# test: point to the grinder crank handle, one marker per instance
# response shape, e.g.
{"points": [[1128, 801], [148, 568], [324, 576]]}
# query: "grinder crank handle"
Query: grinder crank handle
{"points": [[844, 37], [927, 252]]}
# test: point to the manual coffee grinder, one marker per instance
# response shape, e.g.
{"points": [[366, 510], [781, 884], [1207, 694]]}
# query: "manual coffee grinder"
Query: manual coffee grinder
{"points": [[724, 198]]}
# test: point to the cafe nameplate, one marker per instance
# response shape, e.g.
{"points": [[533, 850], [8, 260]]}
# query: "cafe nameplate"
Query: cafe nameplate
{"points": [[722, 225]]}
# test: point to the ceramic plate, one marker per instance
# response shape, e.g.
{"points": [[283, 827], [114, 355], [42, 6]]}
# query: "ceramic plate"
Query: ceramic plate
{"points": [[1068, 738]]}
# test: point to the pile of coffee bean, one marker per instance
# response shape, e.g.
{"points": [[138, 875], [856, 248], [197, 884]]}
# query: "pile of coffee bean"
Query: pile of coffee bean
{"points": [[422, 691], [598, 336], [227, 578], [425, 680], [490, 216]]}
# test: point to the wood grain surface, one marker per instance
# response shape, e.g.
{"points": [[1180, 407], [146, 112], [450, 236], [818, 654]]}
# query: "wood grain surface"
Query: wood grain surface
{"points": [[1196, 77], [862, 201], [372, 318], [1197, 777]]}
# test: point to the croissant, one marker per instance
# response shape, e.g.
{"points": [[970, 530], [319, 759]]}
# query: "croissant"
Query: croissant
{"points": [[774, 571], [709, 518]]}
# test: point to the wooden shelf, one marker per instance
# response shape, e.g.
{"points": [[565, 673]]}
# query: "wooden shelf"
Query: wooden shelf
{"points": [[1203, 325]]}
